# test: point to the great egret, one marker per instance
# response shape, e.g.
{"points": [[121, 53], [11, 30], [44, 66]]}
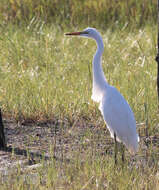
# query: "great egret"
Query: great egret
{"points": [[117, 113]]}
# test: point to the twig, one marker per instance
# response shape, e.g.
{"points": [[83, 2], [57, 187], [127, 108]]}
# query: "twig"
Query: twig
{"points": [[157, 57], [87, 183], [2, 135]]}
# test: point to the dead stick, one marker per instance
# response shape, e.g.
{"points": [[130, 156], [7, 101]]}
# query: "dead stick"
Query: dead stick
{"points": [[157, 57]]}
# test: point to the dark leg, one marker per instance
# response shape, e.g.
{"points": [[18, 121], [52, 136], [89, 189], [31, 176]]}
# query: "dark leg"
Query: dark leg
{"points": [[123, 153], [115, 149]]}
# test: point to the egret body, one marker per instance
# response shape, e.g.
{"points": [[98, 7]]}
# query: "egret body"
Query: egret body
{"points": [[116, 112]]}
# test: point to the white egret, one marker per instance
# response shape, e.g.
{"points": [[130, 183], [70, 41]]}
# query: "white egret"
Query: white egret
{"points": [[117, 113]]}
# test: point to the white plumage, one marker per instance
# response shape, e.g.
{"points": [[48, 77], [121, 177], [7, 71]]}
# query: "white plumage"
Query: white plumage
{"points": [[116, 111]]}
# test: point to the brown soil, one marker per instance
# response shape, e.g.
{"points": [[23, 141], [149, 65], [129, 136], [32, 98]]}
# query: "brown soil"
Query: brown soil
{"points": [[30, 142]]}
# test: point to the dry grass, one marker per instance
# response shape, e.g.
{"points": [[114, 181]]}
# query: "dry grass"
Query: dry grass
{"points": [[71, 12], [45, 76]]}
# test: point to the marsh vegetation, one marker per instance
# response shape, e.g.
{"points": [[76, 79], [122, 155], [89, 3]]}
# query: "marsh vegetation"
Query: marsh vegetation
{"points": [[45, 95]]}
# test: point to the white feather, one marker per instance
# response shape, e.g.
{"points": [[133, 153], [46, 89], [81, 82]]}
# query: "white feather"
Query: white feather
{"points": [[116, 111]]}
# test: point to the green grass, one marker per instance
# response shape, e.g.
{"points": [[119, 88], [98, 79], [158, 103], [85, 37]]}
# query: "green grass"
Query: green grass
{"points": [[46, 75], [85, 172]]}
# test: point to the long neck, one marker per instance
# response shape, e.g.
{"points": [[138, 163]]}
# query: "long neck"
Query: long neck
{"points": [[99, 81], [98, 75]]}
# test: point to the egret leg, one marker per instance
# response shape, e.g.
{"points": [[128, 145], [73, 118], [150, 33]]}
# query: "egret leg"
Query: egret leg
{"points": [[115, 149], [123, 153]]}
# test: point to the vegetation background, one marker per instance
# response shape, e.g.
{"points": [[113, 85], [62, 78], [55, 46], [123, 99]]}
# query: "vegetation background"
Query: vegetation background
{"points": [[33, 18], [74, 12], [45, 76]]}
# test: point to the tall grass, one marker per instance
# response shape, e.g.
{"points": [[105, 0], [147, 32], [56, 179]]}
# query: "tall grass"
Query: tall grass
{"points": [[74, 12], [44, 74]]}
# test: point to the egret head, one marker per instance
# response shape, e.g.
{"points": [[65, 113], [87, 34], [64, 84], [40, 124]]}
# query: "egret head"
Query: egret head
{"points": [[88, 32]]}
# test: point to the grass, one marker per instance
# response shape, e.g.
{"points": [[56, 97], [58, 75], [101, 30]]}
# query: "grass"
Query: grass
{"points": [[71, 12], [45, 75]]}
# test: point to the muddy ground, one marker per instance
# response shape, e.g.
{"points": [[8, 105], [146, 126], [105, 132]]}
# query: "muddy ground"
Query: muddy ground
{"points": [[29, 142]]}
